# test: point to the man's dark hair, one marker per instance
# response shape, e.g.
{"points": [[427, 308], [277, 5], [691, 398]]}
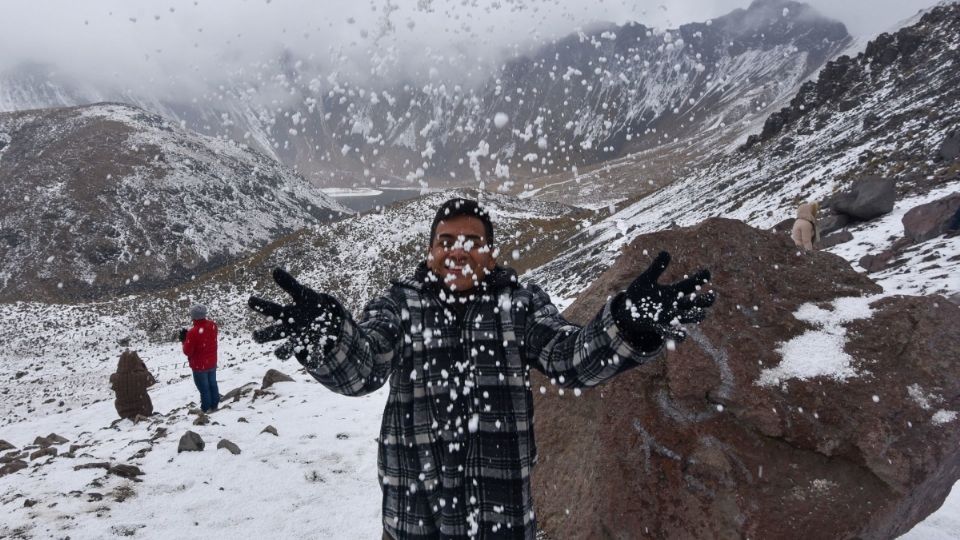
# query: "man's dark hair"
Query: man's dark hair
{"points": [[462, 207]]}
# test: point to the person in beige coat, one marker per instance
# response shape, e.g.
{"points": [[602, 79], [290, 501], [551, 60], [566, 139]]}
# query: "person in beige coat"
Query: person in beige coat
{"points": [[805, 234]]}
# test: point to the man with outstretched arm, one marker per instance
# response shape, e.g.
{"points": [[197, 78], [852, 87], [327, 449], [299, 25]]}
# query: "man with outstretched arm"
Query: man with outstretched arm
{"points": [[456, 341]]}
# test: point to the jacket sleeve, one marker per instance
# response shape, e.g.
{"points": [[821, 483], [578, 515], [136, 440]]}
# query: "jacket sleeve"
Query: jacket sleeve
{"points": [[188, 342], [577, 356], [364, 354]]}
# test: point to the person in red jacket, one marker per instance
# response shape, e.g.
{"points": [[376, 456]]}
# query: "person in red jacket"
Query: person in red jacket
{"points": [[200, 346]]}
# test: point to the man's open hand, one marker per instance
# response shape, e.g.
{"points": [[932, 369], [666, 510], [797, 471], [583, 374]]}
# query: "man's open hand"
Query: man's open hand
{"points": [[650, 313], [313, 319]]}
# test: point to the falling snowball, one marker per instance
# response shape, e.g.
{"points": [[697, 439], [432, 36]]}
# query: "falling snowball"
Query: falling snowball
{"points": [[876, 399], [500, 119]]}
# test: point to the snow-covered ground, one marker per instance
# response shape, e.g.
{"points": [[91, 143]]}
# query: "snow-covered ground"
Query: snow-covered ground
{"points": [[317, 479]]}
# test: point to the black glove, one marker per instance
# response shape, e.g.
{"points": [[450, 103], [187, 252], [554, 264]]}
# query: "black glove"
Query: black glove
{"points": [[649, 313], [313, 319], [182, 335]]}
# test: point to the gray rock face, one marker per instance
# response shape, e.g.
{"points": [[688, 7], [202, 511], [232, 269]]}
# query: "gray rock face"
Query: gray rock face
{"points": [[4, 446], [190, 442], [868, 199], [230, 446], [930, 220], [273, 376], [950, 149]]}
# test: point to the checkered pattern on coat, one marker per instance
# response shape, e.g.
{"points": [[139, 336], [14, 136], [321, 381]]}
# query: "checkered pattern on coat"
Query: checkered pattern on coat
{"points": [[456, 444]]}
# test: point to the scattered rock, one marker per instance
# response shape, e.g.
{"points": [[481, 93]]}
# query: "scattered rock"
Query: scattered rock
{"points": [[710, 441], [260, 393], [868, 199], [270, 429], [930, 220], [159, 434], [876, 262], [272, 377], [27, 503], [125, 471], [4, 446], [13, 456], [94, 496], [95, 465], [342, 436], [49, 440], [43, 452], [879, 261], [190, 442], [835, 239], [830, 222], [238, 392], [232, 448], [201, 420], [243, 420], [13, 467]]}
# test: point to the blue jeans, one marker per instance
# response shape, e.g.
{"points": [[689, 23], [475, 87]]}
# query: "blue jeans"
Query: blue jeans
{"points": [[206, 382]]}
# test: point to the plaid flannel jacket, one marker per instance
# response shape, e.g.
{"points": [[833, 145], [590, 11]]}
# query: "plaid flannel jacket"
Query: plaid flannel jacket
{"points": [[456, 445]]}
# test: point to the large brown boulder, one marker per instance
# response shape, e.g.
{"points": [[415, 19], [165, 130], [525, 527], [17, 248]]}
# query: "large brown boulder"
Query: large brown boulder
{"points": [[930, 220], [763, 424]]}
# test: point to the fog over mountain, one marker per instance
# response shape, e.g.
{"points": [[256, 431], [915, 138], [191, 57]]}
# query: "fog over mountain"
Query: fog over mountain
{"points": [[181, 48]]}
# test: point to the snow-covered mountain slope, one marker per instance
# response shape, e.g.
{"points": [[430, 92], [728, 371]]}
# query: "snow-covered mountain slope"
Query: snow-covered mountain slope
{"points": [[580, 100], [353, 259], [884, 113], [110, 199]]}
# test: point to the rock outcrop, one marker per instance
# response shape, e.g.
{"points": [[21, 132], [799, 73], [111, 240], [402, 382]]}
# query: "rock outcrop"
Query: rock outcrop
{"points": [[803, 407]]}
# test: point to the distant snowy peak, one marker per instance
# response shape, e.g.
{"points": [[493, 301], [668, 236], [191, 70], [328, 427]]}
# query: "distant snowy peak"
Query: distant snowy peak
{"points": [[109, 199], [580, 100]]}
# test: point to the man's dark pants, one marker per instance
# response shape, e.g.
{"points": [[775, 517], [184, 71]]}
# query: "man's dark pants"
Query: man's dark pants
{"points": [[206, 382]]}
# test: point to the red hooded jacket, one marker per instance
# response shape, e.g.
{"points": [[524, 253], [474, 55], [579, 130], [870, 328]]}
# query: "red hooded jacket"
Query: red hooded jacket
{"points": [[201, 345]]}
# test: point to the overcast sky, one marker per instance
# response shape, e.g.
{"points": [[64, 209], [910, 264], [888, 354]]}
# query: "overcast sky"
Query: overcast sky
{"points": [[176, 42]]}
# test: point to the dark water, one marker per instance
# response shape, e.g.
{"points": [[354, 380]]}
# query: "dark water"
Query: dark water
{"points": [[363, 204]]}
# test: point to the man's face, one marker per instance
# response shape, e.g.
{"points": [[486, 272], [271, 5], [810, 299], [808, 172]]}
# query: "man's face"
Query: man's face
{"points": [[460, 255]]}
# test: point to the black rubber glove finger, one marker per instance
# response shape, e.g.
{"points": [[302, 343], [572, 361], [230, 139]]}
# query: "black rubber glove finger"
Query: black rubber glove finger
{"points": [[265, 307], [271, 333], [652, 273], [704, 300], [690, 284], [285, 351], [692, 316], [288, 283], [675, 333]]}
